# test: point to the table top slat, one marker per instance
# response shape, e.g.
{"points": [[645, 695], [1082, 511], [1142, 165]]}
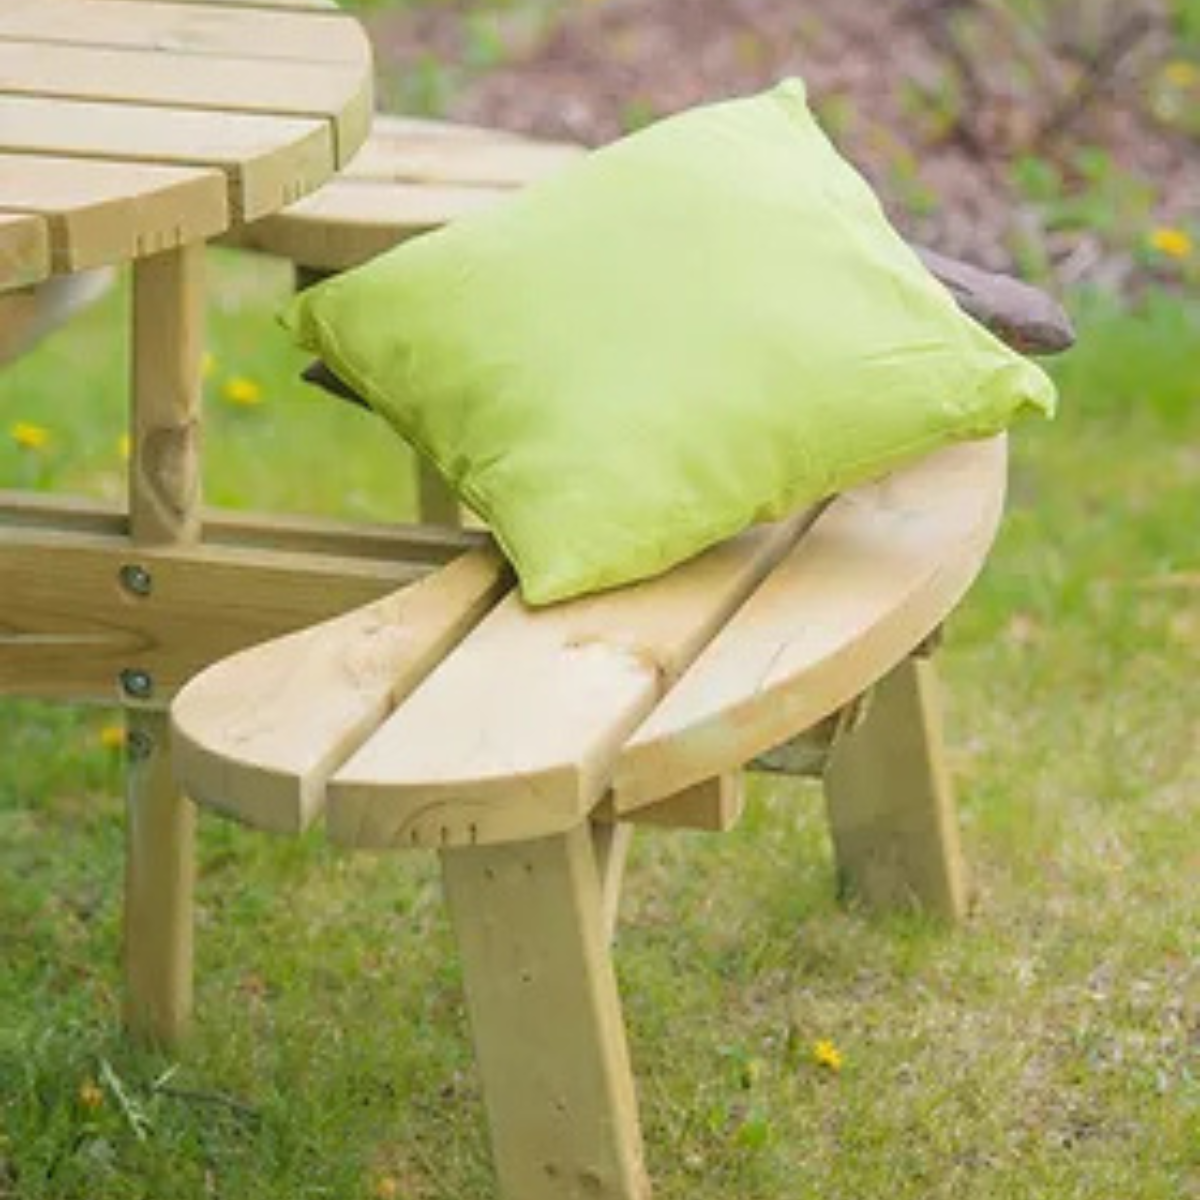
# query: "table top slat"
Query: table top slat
{"points": [[317, 6], [468, 760], [883, 566], [24, 250], [269, 159], [105, 212], [162, 78], [185, 29]]}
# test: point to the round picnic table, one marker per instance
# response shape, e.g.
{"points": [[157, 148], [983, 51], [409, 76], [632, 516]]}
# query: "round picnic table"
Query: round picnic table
{"points": [[135, 131]]}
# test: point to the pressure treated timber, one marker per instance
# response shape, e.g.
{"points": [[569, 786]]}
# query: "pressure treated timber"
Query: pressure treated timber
{"points": [[611, 841], [270, 161], [882, 567], [343, 225], [339, 93], [157, 944], [164, 501], [891, 812], [396, 152], [235, 31], [410, 177], [258, 735], [68, 627], [24, 249], [467, 761], [546, 1019], [226, 529], [299, 5], [100, 213], [714, 805]]}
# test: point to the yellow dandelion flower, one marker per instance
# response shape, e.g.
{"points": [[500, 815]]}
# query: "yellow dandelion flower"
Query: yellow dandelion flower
{"points": [[826, 1054], [124, 447], [1174, 243], [29, 436], [1181, 74], [244, 393], [90, 1096], [112, 737], [387, 1187]]}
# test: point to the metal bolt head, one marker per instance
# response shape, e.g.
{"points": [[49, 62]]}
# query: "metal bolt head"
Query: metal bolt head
{"points": [[139, 745], [136, 580], [137, 683]]}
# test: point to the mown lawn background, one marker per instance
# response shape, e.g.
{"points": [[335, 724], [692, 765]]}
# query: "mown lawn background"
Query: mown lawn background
{"points": [[1048, 1048]]}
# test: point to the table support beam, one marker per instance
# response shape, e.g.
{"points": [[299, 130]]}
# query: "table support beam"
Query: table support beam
{"points": [[164, 507]]}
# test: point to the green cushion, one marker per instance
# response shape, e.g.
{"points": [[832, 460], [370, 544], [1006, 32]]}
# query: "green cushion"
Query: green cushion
{"points": [[707, 324]]}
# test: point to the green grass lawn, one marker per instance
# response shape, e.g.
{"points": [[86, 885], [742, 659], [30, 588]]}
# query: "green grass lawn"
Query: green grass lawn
{"points": [[1050, 1048]]}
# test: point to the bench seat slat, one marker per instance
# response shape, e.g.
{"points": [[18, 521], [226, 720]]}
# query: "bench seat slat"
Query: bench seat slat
{"points": [[257, 735], [516, 733], [880, 570]]}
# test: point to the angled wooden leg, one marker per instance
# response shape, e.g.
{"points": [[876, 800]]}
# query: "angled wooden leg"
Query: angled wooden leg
{"points": [[546, 1019], [891, 812], [164, 510], [610, 841]]}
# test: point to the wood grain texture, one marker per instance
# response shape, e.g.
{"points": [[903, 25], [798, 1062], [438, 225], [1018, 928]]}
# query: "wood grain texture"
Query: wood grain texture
{"points": [[891, 811], [159, 887], [398, 152], [257, 735], [469, 760], [164, 498], [338, 93], [611, 841], [411, 177], [715, 805], [68, 627], [546, 1019], [228, 31], [168, 344], [269, 161], [24, 249], [344, 225], [881, 568], [395, 549], [100, 213]]}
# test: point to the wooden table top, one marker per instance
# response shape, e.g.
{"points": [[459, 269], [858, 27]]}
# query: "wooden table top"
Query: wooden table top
{"points": [[128, 127]]}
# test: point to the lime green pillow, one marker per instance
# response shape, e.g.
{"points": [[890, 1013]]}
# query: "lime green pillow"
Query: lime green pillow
{"points": [[707, 324]]}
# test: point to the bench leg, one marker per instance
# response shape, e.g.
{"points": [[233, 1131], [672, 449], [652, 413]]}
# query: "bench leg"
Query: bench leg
{"points": [[891, 812], [610, 841], [158, 888], [546, 1019]]}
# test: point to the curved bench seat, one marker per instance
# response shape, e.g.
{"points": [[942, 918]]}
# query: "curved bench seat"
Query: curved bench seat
{"points": [[450, 714]]}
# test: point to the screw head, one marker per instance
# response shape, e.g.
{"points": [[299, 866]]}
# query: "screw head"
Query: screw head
{"points": [[140, 745], [137, 683], [136, 580]]}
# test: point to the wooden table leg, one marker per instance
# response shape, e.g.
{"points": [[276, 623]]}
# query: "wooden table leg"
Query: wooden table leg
{"points": [[546, 1019], [164, 503], [891, 810]]}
